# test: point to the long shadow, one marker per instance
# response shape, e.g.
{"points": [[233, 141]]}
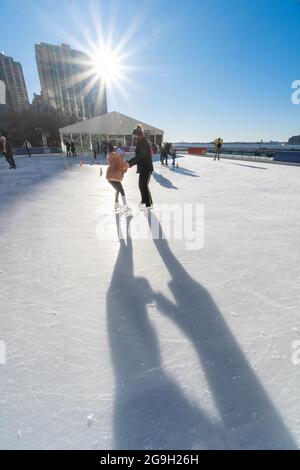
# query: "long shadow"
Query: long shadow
{"points": [[249, 418], [247, 166], [184, 171], [165, 182], [30, 173], [150, 410]]}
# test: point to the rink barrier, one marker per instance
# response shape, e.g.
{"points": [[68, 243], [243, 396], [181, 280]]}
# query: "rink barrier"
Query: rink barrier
{"points": [[37, 150], [247, 158]]}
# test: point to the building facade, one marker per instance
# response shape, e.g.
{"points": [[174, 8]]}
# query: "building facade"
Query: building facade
{"points": [[67, 82], [11, 73], [2, 93], [3, 105], [38, 104]]}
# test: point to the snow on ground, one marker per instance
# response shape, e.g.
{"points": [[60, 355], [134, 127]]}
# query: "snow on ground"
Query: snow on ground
{"points": [[145, 344]]}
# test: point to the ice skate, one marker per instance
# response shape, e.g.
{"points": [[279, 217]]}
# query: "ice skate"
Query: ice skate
{"points": [[117, 208], [126, 210]]}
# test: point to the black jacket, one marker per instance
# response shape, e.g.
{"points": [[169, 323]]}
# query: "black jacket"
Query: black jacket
{"points": [[165, 151], [9, 148], [143, 157]]}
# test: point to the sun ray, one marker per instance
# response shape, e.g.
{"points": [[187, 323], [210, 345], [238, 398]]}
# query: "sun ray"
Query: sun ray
{"points": [[108, 51]]}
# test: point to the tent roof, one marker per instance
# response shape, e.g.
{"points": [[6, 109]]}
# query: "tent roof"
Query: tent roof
{"points": [[112, 123]]}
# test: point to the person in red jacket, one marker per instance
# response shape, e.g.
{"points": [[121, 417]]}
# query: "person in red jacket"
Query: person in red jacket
{"points": [[115, 173]]}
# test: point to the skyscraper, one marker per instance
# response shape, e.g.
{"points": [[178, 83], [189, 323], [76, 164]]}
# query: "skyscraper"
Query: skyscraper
{"points": [[68, 83], [3, 105], [11, 73], [38, 104]]}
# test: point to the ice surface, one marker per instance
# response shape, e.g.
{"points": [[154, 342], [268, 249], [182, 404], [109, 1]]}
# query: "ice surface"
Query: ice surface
{"points": [[145, 344]]}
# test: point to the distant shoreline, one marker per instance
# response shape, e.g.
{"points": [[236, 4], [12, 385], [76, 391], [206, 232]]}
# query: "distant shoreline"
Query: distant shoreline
{"points": [[242, 145]]}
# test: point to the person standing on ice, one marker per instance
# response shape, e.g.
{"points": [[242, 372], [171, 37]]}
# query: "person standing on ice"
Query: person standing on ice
{"points": [[218, 146], [68, 148], [6, 148], [143, 161], [174, 156], [27, 145], [105, 148], [73, 149], [95, 148], [114, 175], [165, 151]]}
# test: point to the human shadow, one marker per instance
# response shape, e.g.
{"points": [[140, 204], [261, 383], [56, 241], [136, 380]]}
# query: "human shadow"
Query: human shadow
{"points": [[150, 409], [248, 166], [31, 174], [249, 418], [165, 182], [184, 171]]}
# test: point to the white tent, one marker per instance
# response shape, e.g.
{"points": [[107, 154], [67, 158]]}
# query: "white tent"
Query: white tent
{"points": [[115, 127]]}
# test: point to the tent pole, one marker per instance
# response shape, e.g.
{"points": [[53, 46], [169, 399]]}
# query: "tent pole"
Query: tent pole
{"points": [[61, 142]]}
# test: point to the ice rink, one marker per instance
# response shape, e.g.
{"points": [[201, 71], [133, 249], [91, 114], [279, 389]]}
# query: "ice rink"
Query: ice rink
{"points": [[145, 344]]}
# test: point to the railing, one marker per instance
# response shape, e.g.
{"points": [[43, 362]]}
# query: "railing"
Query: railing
{"points": [[37, 150], [251, 154], [244, 157]]}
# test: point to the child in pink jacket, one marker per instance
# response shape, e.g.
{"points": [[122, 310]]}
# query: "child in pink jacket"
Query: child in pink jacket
{"points": [[115, 173]]}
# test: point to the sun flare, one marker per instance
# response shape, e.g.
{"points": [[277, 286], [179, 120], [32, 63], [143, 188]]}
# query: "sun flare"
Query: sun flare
{"points": [[107, 65]]}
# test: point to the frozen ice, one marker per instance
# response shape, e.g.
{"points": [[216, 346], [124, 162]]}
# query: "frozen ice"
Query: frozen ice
{"points": [[170, 348]]}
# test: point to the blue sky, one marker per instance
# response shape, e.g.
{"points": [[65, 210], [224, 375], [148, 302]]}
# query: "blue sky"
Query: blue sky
{"points": [[198, 68]]}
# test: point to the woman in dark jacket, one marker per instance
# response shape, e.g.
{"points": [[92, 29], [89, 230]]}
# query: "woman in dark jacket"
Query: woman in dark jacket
{"points": [[143, 161]]}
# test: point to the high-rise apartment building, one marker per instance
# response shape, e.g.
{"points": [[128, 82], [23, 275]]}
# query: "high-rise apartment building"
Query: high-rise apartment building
{"points": [[2, 93], [38, 104], [66, 83], [11, 73]]}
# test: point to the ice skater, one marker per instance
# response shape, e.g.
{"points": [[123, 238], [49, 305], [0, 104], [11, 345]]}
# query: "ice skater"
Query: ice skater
{"points": [[174, 156], [143, 161], [27, 145], [95, 149], [218, 147], [165, 151], [6, 148], [114, 175], [105, 148], [73, 149], [68, 148]]}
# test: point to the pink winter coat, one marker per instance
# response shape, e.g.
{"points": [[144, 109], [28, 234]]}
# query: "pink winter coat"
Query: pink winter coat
{"points": [[117, 167]]}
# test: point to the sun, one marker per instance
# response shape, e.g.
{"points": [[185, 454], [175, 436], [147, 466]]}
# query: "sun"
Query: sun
{"points": [[104, 67], [107, 64]]}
